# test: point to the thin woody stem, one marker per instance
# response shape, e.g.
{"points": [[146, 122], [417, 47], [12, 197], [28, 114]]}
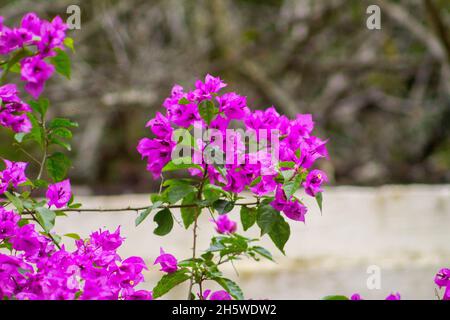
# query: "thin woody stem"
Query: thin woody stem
{"points": [[141, 208], [194, 231]]}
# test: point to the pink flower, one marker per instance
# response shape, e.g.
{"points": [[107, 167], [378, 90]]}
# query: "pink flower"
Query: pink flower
{"points": [[167, 261], [139, 295], [266, 185], [442, 278], [224, 225], [205, 90], [59, 194], [158, 153], [160, 126], [11, 112], [295, 211], [314, 182], [355, 296], [35, 72], [217, 295], [233, 105], [14, 173], [393, 296]]}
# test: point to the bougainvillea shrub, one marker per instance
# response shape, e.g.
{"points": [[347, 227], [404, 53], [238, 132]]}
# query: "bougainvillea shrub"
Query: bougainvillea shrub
{"points": [[225, 148]]}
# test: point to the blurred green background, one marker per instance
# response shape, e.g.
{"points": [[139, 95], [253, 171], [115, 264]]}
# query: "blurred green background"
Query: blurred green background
{"points": [[382, 97]]}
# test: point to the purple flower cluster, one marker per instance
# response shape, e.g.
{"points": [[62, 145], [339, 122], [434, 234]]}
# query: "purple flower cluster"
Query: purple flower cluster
{"points": [[13, 175], [45, 37], [297, 144], [37, 270], [442, 280], [12, 110]]}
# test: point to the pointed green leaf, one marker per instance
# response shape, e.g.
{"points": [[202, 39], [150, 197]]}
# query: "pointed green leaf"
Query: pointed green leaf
{"points": [[248, 217], [169, 281], [46, 218], [280, 233]]}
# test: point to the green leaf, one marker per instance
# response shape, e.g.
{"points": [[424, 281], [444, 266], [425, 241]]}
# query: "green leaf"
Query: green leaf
{"points": [[263, 252], [223, 206], [180, 164], [286, 164], [319, 198], [40, 183], [62, 132], [337, 297], [37, 133], [40, 106], [189, 214], [183, 101], [164, 220], [207, 110], [144, 214], [65, 145], [15, 201], [175, 193], [266, 217], [280, 233], [62, 123], [73, 236], [231, 287], [61, 62], [248, 217], [46, 218], [256, 181], [57, 166], [292, 186], [169, 281], [68, 42]]}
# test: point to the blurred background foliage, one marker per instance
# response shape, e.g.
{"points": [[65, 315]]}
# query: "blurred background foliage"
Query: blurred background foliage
{"points": [[381, 96]]}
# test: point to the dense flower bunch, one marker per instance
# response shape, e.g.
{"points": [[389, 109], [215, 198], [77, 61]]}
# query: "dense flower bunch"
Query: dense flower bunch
{"points": [[257, 170], [38, 270], [41, 36], [27, 46]]}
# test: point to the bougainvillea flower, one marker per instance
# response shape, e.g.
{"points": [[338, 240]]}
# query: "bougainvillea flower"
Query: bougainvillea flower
{"points": [[160, 126], [59, 194], [205, 89], [394, 296], [217, 295], [35, 72], [356, 296], [442, 278], [12, 111], [295, 210], [52, 36], [233, 105], [167, 261], [139, 295], [224, 225], [314, 181], [15, 172]]}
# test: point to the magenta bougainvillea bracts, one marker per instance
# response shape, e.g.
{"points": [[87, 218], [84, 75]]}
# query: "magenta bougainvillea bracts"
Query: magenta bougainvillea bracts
{"points": [[235, 160]]}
